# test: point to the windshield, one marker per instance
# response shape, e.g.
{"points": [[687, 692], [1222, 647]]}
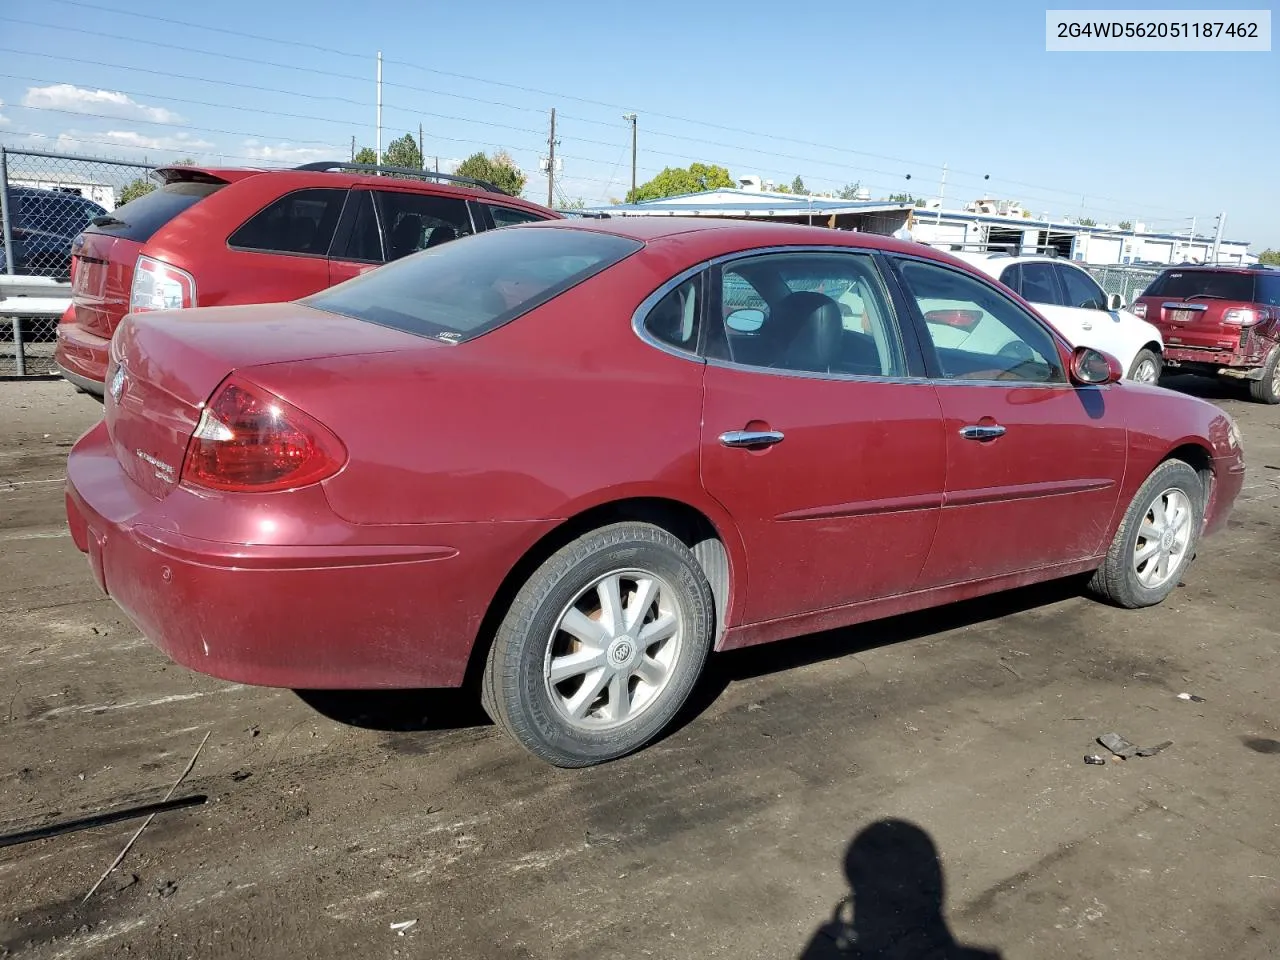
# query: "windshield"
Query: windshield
{"points": [[1211, 284], [460, 290]]}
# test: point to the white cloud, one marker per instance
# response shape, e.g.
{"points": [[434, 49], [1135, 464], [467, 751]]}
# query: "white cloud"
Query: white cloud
{"points": [[130, 143], [107, 103], [3, 118], [285, 152]]}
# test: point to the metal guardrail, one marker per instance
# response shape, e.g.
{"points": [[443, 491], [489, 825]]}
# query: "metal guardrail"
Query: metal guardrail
{"points": [[30, 308]]}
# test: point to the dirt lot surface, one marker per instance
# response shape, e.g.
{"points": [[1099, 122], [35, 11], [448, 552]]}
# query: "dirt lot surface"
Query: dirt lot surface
{"points": [[329, 822]]}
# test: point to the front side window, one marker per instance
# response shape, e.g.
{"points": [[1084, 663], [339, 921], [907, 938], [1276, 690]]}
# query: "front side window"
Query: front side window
{"points": [[809, 312], [457, 291], [301, 222], [1081, 290], [420, 221], [977, 332]]}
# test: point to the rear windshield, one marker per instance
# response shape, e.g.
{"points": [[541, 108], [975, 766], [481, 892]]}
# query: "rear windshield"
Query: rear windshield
{"points": [[142, 217], [1209, 284], [457, 291]]}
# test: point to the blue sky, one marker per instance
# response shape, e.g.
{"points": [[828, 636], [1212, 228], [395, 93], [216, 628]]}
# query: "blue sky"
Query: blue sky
{"points": [[835, 91]]}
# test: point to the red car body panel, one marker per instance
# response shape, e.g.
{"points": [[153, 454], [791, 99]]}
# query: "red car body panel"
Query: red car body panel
{"points": [[195, 240], [463, 458]]}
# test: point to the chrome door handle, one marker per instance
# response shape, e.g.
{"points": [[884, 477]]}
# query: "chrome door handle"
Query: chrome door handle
{"points": [[982, 433], [751, 438], [1087, 326]]}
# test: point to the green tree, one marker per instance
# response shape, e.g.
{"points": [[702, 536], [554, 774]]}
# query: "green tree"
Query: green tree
{"points": [[850, 190], [1270, 257], [134, 189], [366, 155], [576, 203], [782, 188], [1125, 225], [1087, 222], [902, 198], [499, 169], [403, 153], [677, 180], [797, 185]]}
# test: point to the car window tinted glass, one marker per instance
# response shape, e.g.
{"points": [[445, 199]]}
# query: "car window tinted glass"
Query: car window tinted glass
{"points": [[1211, 284], [419, 221], [506, 216], [1081, 290], [1011, 277], [299, 222], [457, 291], [1268, 289], [365, 241], [977, 332], [1038, 285], [809, 312], [674, 319], [139, 219]]}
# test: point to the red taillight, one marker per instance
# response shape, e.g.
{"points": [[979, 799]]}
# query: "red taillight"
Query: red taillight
{"points": [[159, 286], [249, 440], [1139, 310], [1243, 316], [960, 319]]}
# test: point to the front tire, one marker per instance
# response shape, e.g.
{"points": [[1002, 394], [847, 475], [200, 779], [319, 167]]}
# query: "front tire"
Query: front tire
{"points": [[1267, 390], [1146, 367], [1156, 539], [601, 646]]}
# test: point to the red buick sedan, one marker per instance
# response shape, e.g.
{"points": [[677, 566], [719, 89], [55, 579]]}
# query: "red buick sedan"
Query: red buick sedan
{"points": [[581, 455]]}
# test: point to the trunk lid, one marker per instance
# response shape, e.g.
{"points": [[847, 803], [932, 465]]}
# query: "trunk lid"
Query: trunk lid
{"points": [[172, 361]]}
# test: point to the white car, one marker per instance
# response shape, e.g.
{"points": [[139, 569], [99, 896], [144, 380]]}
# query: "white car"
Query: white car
{"points": [[1072, 301]]}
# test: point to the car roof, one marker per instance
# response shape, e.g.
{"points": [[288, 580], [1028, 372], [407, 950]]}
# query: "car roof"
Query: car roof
{"points": [[298, 177], [993, 264], [1220, 267], [732, 235]]}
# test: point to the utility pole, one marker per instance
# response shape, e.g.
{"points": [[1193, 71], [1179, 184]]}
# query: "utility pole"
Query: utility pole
{"points": [[632, 118], [422, 156], [942, 194], [379, 147], [551, 162], [353, 148], [1217, 234]]}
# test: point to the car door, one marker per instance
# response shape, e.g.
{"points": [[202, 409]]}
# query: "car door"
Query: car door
{"points": [[817, 439], [1034, 464], [280, 253], [1100, 328]]}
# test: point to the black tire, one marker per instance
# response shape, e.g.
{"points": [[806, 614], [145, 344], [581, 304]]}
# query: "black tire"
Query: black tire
{"points": [[1117, 579], [513, 689], [1267, 390], [1144, 355]]}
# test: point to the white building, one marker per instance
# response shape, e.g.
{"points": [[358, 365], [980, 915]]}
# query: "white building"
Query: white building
{"points": [[102, 194]]}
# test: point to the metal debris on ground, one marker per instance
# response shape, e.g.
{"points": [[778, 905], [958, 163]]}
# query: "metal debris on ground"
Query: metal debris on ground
{"points": [[100, 820], [1094, 759], [1124, 749], [1190, 696], [402, 926]]}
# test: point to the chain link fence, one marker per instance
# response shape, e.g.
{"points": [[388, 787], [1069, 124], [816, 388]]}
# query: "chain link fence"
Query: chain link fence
{"points": [[46, 199], [1128, 281]]}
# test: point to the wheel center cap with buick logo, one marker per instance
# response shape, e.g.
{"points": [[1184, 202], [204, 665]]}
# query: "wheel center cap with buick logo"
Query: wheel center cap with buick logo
{"points": [[621, 652]]}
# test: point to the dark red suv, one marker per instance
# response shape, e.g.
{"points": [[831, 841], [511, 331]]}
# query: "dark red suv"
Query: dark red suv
{"points": [[213, 236], [1219, 321]]}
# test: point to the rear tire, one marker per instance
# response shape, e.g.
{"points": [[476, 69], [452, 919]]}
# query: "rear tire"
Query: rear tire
{"points": [[1156, 540], [623, 617], [1267, 390], [1146, 367]]}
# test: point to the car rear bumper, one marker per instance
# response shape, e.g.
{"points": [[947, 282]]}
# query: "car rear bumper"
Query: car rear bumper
{"points": [[345, 615], [82, 357]]}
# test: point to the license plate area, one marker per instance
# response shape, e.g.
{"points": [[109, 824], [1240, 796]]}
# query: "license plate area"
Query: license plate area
{"points": [[1183, 316], [91, 278]]}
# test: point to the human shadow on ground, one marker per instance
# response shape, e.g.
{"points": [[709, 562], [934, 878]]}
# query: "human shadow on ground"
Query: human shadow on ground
{"points": [[894, 908]]}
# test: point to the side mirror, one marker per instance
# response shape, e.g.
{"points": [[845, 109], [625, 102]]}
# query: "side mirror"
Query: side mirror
{"points": [[745, 321], [1093, 368], [1115, 301]]}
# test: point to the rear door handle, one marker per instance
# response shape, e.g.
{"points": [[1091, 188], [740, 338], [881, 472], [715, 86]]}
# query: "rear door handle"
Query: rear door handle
{"points": [[751, 438], [982, 433]]}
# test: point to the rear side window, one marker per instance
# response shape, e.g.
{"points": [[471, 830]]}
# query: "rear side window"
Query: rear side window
{"points": [[420, 221], [1210, 284], [506, 216], [1038, 285], [1269, 289], [301, 222], [457, 291], [139, 219]]}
